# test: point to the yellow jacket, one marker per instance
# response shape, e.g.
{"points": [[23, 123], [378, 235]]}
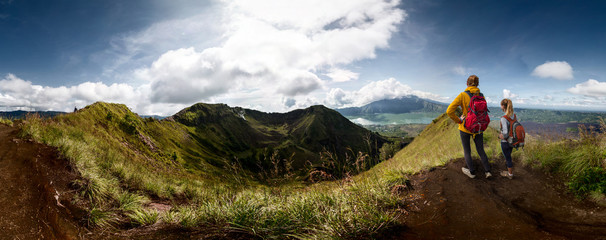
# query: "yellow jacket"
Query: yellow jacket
{"points": [[461, 101]]}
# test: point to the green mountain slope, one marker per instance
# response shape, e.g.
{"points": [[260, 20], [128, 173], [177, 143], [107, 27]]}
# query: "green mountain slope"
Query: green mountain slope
{"points": [[208, 139], [249, 135]]}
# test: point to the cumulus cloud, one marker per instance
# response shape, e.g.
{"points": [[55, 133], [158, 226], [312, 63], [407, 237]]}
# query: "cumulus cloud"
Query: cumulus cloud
{"points": [[374, 91], [508, 94], [342, 75], [244, 52], [16, 93], [559, 70], [277, 45], [137, 49], [590, 88], [185, 76]]}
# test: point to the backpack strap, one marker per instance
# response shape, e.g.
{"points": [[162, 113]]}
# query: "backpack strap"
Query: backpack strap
{"points": [[471, 94], [511, 121]]}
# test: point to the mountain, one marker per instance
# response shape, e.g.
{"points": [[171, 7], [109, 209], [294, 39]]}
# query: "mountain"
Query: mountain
{"points": [[252, 136], [398, 105], [209, 139], [22, 114]]}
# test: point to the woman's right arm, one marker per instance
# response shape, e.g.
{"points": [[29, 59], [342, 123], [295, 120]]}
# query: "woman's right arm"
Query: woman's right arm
{"points": [[452, 108]]}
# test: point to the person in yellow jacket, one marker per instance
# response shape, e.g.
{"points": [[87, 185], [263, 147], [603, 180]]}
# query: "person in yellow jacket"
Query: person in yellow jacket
{"points": [[463, 101]]}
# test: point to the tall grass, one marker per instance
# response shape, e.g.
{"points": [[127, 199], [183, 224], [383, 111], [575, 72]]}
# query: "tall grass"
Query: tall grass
{"points": [[581, 161], [358, 210], [6, 121]]}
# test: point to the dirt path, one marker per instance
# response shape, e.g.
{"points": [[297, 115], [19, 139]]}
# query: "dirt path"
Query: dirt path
{"points": [[448, 205], [33, 180]]}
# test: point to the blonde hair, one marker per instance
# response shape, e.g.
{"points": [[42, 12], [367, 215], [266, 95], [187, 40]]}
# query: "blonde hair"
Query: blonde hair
{"points": [[508, 107], [473, 80]]}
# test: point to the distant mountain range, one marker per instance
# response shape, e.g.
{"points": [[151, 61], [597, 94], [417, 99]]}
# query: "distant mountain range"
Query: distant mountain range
{"points": [[22, 114], [413, 109], [398, 105]]}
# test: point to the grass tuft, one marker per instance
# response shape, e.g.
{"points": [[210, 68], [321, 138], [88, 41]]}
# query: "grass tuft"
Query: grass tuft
{"points": [[144, 217]]}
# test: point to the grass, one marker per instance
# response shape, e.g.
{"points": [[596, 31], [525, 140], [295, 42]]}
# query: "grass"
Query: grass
{"points": [[581, 161], [6, 121]]}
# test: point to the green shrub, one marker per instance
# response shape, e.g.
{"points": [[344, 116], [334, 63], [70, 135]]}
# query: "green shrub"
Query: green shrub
{"points": [[590, 180]]}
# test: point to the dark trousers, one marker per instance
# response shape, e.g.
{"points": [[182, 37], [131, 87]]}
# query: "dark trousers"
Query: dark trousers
{"points": [[479, 141], [507, 153]]}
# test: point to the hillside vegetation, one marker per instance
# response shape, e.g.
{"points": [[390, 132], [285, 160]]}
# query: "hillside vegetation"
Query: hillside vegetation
{"points": [[582, 161], [207, 162], [209, 167]]}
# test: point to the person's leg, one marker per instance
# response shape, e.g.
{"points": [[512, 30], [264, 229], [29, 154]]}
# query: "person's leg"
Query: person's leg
{"points": [[467, 151], [479, 141], [507, 153]]}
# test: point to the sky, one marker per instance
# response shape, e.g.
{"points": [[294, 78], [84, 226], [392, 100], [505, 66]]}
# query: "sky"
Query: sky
{"points": [[160, 56]]}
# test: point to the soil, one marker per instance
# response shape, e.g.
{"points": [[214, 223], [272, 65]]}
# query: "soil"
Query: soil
{"points": [[34, 193], [443, 203], [446, 204]]}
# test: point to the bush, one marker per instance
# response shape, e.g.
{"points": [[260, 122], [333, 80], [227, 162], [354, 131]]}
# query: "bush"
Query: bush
{"points": [[591, 180]]}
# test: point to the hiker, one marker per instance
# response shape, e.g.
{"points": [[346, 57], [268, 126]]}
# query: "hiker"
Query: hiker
{"points": [[507, 107], [463, 100]]}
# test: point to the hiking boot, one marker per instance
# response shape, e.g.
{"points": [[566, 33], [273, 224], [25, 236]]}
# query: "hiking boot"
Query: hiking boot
{"points": [[506, 174], [488, 175], [467, 172]]}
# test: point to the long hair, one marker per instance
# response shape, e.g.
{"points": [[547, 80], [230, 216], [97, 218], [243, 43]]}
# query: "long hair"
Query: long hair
{"points": [[508, 107]]}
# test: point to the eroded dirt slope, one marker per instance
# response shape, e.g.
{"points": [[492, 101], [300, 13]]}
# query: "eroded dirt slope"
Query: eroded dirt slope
{"points": [[34, 191], [534, 205]]}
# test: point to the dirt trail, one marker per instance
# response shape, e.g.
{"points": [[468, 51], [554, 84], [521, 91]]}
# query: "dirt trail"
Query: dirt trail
{"points": [[448, 205], [33, 191]]}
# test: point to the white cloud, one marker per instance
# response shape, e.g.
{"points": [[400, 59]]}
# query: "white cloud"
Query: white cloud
{"points": [[243, 52], [342, 75], [16, 93], [374, 91], [590, 88], [137, 49], [509, 94], [186, 76], [278, 46], [559, 70]]}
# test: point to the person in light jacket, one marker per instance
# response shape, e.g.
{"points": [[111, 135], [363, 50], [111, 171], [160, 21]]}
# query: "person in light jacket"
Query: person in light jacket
{"points": [[507, 107]]}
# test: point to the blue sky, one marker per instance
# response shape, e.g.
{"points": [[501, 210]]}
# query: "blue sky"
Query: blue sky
{"points": [[158, 57]]}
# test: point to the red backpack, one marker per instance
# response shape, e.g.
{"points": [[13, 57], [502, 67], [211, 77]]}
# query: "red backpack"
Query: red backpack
{"points": [[477, 119], [516, 132]]}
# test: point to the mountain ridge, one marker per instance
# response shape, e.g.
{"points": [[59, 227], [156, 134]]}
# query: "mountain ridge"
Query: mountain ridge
{"points": [[304, 132], [405, 104]]}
